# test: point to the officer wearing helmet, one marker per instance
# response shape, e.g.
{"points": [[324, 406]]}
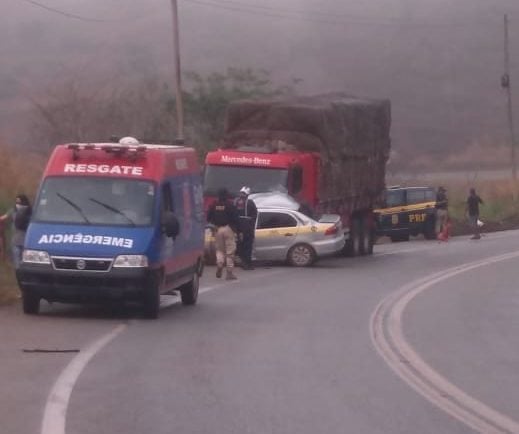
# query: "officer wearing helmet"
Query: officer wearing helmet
{"points": [[247, 225]]}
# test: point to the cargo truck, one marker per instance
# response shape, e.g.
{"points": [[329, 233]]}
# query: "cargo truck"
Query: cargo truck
{"points": [[328, 152]]}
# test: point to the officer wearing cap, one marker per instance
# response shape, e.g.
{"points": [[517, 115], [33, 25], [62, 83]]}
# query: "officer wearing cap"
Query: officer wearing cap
{"points": [[224, 216], [248, 214]]}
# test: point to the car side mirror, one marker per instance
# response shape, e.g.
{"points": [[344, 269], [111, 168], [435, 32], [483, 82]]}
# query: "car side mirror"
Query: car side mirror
{"points": [[170, 225]]}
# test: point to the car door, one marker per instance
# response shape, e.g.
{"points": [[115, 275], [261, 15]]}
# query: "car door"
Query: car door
{"points": [[276, 232]]}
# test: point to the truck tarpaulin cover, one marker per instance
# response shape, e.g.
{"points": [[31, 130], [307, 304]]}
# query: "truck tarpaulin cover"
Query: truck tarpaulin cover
{"points": [[351, 134]]}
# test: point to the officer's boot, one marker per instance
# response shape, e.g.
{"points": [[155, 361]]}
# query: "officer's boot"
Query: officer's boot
{"points": [[219, 270], [230, 275]]}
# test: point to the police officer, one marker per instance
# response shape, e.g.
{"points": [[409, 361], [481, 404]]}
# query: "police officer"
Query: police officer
{"points": [[224, 216], [247, 225]]}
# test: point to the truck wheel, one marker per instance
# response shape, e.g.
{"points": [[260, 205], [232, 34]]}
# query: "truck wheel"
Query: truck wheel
{"points": [[367, 238], [31, 303], [369, 242], [353, 244], [301, 255], [189, 291], [151, 298]]}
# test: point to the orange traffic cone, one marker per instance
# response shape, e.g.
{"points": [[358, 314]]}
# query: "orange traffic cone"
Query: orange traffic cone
{"points": [[445, 233]]}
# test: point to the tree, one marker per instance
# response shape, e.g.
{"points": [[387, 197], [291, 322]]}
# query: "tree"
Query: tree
{"points": [[208, 97], [82, 110]]}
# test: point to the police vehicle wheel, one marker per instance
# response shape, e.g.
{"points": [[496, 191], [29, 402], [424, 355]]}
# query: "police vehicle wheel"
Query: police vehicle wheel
{"points": [[31, 303], [151, 299], [430, 230], [189, 291], [301, 255], [398, 238]]}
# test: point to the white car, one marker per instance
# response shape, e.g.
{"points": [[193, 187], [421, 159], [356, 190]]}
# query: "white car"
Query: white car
{"points": [[289, 235]]}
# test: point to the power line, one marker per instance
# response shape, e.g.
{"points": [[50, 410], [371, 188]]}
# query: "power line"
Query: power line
{"points": [[67, 14], [292, 14]]}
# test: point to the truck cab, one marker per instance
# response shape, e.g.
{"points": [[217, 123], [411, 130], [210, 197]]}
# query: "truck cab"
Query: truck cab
{"points": [[295, 173]]}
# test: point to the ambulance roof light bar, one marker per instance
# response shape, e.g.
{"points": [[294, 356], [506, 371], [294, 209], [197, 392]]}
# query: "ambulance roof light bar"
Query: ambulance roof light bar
{"points": [[127, 145]]}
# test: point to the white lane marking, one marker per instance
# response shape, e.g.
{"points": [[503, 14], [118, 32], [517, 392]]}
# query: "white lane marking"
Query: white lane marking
{"points": [[59, 397], [55, 413], [387, 336]]}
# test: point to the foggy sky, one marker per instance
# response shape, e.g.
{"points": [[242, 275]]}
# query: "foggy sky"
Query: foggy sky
{"points": [[439, 61]]}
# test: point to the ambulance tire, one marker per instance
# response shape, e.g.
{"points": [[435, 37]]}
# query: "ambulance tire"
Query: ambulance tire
{"points": [[189, 291], [31, 303], [151, 298]]}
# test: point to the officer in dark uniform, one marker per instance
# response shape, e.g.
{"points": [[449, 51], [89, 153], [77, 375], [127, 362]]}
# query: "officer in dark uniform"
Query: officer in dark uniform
{"points": [[224, 215], [247, 225]]}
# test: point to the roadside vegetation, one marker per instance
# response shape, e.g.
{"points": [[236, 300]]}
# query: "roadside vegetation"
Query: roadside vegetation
{"points": [[500, 210], [19, 174]]}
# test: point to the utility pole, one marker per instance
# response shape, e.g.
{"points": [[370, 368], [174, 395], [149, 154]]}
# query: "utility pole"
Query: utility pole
{"points": [[178, 74], [505, 84]]}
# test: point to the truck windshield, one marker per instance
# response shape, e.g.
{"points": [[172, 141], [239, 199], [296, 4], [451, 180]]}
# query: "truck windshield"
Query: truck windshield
{"points": [[258, 179], [97, 201]]}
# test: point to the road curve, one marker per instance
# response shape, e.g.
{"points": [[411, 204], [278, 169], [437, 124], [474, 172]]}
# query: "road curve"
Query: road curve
{"points": [[388, 338]]}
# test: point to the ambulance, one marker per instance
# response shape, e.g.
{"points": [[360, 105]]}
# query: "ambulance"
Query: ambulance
{"points": [[115, 221]]}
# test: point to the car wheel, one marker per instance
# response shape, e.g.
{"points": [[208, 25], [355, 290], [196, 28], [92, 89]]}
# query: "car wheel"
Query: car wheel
{"points": [[31, 303], [301, 255], [151, 298], [189, 291]]}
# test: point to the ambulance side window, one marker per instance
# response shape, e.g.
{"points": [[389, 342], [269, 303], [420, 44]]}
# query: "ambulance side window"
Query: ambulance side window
{"points": [[167, 198]]}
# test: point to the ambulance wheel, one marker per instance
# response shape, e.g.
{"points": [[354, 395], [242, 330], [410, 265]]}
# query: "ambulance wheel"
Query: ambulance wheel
{"points": [[151, 299], [301, 255], [31, 303], [189, 291]]}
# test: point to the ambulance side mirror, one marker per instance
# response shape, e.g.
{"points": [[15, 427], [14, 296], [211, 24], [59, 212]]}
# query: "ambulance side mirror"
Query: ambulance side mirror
{"points": [[170, 225]]}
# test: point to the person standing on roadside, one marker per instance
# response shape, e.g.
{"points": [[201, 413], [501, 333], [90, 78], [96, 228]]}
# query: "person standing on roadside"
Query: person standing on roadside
{"points": [[442, 213], [248, 214], [224, 215], [20, 217], [472, 211]]}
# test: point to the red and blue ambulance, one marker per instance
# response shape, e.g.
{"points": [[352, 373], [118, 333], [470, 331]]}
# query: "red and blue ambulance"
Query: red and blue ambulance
{"points": [[121, 221]]}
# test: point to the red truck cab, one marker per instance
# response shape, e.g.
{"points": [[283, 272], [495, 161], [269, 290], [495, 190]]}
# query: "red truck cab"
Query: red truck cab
{"points": [[292, 172]]}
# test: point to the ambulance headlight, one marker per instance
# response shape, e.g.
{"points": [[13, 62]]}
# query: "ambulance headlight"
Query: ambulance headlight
{"points": [[131, 261], [35, 257]]}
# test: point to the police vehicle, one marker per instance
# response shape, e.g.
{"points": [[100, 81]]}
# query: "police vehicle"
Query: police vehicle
{"points": [[407, 211]]}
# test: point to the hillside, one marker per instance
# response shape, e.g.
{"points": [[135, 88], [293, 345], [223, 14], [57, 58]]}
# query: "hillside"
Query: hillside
{"points": [[439, 62]]}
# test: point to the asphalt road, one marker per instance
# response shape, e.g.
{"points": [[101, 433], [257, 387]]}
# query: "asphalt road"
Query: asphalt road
{"points": [[348, 346]]}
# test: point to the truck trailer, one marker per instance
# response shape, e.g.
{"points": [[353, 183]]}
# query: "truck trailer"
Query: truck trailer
{"points": [[328, 152]]}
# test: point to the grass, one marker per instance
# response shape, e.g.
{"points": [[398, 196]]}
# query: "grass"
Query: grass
{"points": [[500, 210]]}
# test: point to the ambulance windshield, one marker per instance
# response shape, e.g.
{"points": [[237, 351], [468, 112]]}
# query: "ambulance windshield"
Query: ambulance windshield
{"points": [[97, 201], [233, 178]]}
